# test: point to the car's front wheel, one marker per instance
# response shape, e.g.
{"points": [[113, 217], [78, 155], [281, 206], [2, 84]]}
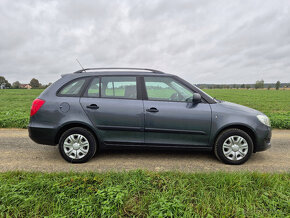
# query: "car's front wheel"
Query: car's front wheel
{"points": [[233, 146], [77, 145]]}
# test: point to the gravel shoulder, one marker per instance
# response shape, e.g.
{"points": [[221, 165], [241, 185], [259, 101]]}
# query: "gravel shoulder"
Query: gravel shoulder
{"points": [[18, 152]]}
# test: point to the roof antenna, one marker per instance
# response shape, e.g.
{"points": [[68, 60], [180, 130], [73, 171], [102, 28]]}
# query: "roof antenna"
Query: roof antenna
{"points": [[80, 64]]}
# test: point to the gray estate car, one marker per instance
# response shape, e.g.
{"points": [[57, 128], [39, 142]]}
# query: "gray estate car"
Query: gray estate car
{"points": [[99, 108]]}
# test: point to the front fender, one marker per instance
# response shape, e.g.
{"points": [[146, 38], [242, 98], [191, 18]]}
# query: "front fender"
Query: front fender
{"points": [[224, 118]]}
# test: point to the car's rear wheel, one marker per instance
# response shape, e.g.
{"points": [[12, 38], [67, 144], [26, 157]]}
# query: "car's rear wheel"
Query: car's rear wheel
{"points": [[233, 146], [77, 145]]}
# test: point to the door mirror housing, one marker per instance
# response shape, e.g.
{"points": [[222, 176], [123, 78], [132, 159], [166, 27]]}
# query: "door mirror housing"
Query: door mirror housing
{"points": [[195, 99]]}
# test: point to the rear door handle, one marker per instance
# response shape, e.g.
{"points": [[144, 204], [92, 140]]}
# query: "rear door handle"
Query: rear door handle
{"points": [[93, 106], [152, 110]]}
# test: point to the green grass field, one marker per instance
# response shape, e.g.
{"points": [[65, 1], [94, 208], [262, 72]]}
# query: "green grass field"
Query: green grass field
{"points": [[15, 104], [15, 107], [142, 194]]}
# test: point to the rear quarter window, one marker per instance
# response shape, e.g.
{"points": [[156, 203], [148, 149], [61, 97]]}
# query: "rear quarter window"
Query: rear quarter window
{"points": [[72, 88]]}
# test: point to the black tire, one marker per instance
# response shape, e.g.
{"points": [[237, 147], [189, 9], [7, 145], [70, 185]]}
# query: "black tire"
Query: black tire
{"points": [[221, 139], [92, 148]]}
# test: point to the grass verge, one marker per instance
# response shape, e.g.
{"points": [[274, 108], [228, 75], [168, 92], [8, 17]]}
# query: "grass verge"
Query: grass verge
{"points": [[143, 193]]}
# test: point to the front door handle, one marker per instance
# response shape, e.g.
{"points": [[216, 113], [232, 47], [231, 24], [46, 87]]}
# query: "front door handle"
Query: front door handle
{"points": [[93, 106], [152, 110]]}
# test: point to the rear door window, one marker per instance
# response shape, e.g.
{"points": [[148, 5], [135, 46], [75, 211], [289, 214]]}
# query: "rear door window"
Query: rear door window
{"points": [[119, 87]]}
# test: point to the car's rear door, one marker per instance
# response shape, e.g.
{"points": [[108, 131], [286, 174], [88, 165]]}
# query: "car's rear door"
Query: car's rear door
{"points": [[114, 106], [171, 120]]}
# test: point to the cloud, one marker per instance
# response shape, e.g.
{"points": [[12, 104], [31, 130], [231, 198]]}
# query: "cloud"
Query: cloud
{"points": [[201, 41]]}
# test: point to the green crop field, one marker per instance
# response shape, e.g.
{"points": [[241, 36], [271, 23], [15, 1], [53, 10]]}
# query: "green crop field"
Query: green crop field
{"points": [[144, 194], [15, 104]]}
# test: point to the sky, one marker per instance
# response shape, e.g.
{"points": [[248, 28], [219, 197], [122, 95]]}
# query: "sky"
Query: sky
{"points": [[201, 41]]}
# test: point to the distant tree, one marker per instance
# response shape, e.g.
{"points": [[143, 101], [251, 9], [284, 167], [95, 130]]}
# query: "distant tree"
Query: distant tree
{"points": [[16, 85], [2, 80], [235, 86], [248, 86], [262, 84], [259, 84], [4, 83], [277, 85], [45, 86], [269, 86], [243, 86], [35, 83]]}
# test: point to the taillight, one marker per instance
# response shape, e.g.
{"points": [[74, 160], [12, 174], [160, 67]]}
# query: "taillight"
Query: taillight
{"points": [[36, 105]]}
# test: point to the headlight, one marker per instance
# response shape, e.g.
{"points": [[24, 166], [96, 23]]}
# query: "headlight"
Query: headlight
{"points": [[264, 119]]}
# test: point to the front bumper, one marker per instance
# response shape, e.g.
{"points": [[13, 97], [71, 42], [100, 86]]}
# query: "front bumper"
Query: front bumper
{"points": [[263, 141]]}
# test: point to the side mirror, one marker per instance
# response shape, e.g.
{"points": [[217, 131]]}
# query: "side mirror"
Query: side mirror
{"points": [[196, 98]]}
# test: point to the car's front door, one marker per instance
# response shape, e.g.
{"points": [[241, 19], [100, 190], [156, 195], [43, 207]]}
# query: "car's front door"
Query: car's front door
{"points": [[170, 119], [112, 104]]}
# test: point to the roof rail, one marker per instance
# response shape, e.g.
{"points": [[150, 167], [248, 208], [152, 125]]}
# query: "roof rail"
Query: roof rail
{"points": [[119, 68]]}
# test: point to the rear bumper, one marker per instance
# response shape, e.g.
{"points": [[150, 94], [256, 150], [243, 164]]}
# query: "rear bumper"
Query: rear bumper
{"points": [[44, 136], [263, 139]]}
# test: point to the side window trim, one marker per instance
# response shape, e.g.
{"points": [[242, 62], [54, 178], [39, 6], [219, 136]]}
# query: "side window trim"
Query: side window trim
{"points": [[100, 86], [144, 90], [141, 94]]}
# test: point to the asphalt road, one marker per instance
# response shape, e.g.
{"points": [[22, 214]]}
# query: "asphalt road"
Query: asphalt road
{"points": [[18, 152]]}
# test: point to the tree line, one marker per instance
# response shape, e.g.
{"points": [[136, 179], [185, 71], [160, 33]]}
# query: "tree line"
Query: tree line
{"points": [[34, 83], [258, 85]]}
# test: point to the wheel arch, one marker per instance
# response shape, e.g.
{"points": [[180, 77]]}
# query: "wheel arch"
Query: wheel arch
{"points": [[243, 127], [70, 125]]}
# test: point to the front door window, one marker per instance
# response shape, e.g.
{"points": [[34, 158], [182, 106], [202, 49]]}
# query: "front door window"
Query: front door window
{"points": [[166, 89]]}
